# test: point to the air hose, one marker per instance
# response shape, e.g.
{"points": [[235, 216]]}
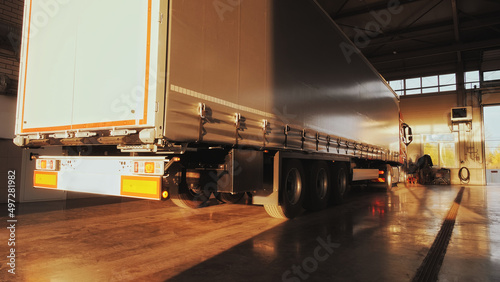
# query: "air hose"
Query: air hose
{"points": [[464, 179]]}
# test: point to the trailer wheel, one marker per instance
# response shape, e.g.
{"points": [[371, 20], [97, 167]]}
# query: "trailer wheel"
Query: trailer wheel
{"points": [[184, 195], [388, 177], [275, 211], [189, 199], [319, 187], [291, 191], [339, 183], [229, 198]]}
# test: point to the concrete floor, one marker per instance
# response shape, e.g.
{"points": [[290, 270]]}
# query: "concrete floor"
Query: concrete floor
{"points": [[374, 236]]}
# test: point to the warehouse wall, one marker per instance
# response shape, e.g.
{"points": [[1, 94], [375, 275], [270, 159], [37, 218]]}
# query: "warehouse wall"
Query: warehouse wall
{"points": [[11, 17], [11, 11], [431, 114]]}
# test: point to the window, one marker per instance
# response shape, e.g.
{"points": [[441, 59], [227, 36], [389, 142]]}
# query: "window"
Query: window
{"points": [[447, 82], [398, 86], [441, 148], [447, 155], [492, 137], [413, 86], [491, 75], [429, 84], [472, 80], [432, 149], [422, 85]]}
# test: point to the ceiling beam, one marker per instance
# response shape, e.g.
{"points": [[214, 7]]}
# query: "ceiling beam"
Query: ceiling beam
{"points": [[415, 34], [455, 20], [442, 27], [340, 9], [460, 67], [368, 8], [460, 47], [395, 72]]}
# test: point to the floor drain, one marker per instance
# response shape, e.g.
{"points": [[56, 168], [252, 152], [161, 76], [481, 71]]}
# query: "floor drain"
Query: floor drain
{"points": [[429, 269]]}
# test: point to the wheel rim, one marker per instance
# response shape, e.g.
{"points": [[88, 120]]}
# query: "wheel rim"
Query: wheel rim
{"points": [[321, 184], [293, 186], [197, 194], [342, 182]]}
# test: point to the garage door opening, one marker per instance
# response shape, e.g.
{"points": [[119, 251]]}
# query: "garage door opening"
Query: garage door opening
{"points": [[492, 144]]}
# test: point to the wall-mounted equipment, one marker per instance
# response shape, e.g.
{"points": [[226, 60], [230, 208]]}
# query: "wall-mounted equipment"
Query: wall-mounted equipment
{"points": [[461, 114]]}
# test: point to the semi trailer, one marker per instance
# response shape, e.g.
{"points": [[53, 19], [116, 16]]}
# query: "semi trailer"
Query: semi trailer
{"points": [[181, 100]]}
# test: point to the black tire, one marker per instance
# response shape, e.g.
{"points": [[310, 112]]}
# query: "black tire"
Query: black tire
{"points": [[275, 211], [291, 192], [184, 196], [388, 178], [319, 188], [340, 183], [189, 199], [387, 175], [229, 198]]}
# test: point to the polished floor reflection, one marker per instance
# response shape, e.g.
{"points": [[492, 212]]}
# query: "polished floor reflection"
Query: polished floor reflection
{"points": [[374, 236]]}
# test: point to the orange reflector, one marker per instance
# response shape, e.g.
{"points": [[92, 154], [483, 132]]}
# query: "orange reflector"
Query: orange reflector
{"points": [[45, 179], [149, 168], [141, 187], [47, 164], [136, 167]]}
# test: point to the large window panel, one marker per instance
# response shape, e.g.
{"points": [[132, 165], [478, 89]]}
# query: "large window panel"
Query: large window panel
{"points": [[414, 91], [397, 85], [447, 79], [472, 80], [432, 149], [441, 148], [430, 90], [413, 83], [448, 88], [491, 75], [447, 155], [430, 81], [433, 84]]}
